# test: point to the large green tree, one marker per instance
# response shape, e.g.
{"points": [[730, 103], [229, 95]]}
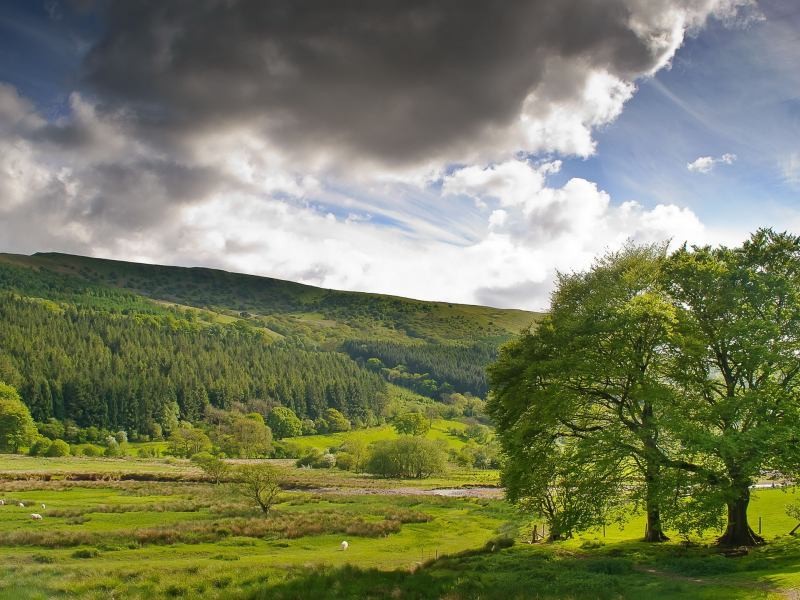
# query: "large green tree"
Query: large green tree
{"points": [[588, 381], [16, 425], [738, 361]]}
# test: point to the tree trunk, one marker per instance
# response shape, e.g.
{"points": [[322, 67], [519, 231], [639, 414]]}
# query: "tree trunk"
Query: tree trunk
{"points": [[652, 530], [738, 531]]}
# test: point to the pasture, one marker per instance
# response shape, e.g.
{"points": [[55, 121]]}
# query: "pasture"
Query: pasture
{"points": [[184, 538]]}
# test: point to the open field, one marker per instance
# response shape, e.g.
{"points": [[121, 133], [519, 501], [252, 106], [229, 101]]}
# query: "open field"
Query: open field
{"points": [[189, 539], [439, 430]]}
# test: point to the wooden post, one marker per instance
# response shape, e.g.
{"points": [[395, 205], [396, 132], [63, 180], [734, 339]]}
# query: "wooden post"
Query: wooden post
{"points": [[604, 530], [759, 525]]}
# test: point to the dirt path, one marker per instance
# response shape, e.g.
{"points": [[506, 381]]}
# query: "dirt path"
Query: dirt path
{"points": [[792, 594]]}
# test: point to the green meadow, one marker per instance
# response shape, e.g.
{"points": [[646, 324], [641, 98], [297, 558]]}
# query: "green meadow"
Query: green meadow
{"points": [[185, 538]]}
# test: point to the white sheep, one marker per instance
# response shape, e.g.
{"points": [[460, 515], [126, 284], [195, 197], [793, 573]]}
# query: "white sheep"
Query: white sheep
{"points": [[43, 506], [344, 546], [36, 517], [2, 502], [22, 505]]}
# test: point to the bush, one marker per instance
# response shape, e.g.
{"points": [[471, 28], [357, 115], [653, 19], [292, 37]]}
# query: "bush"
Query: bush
{"points": [[345, 461], [39, 447], [58, 448], [85, 553], [113, 450], [146, 452], [91, 450]]}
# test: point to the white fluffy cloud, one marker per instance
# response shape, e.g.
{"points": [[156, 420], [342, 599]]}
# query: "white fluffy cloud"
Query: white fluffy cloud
{"points": [[706, 163]]}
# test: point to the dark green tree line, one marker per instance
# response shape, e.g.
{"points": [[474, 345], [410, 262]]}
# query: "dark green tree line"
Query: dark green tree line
{"points": [[145, 372]]}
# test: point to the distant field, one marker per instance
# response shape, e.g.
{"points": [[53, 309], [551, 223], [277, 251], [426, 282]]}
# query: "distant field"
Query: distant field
{"points": [[384, 432]]}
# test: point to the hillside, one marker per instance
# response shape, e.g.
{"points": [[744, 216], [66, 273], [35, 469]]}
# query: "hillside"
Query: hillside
{"points": [[355, 314], [115, 344]]}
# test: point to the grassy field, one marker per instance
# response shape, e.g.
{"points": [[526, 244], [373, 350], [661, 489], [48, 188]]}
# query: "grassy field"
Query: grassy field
{"points": [[188, 539], [439, 430]]}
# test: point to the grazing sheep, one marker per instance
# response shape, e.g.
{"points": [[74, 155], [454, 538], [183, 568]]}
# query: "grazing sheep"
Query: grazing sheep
{"points": [[2, 502], [344, 546], [22, 505], [36, 517], [43, 506]]}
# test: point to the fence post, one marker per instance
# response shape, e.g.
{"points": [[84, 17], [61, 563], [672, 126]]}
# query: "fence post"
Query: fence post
{"points": [[759, 525]]}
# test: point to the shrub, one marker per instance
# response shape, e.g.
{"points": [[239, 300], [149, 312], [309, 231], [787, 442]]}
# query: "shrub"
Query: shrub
{"points": [[39, 447], [91, 450], [345, 461], [113, 450], [44, 559], [85, 553], [58, 448]]}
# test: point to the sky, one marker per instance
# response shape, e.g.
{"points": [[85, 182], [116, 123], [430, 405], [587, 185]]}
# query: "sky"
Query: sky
{"points": [[452, 150]]}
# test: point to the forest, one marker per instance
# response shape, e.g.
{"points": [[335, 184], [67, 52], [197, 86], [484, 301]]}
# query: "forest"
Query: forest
{"points": [[81, 342]]}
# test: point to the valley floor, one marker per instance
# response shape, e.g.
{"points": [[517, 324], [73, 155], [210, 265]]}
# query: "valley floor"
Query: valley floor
{"points": [[105, 536]]}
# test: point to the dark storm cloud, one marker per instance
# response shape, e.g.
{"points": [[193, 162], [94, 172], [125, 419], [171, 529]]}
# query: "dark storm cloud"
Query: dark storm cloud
{"points": [[402, 80]]}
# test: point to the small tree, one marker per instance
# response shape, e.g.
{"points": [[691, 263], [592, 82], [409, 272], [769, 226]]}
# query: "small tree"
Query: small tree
{"points": [[356, 446], [16, 425], [336, 421], [212, 466], [284, 423], [411, 424], [260, 483], [252, 437]]}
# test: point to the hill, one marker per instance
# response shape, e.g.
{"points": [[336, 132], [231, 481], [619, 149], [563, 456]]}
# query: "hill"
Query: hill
{"points": [[112, 344], [357, 314]]}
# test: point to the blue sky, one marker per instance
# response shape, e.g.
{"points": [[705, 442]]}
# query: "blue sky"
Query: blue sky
{"points": [[430, 149]]}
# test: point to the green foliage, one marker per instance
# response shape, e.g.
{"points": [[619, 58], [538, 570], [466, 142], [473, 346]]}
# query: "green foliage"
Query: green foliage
{"points": [[58, 448], [260, 483], [411, 424], [213, 467], [250, 438], [673, 380], [284, 423], [116, 371], [406, 456], [736, 359], [39, 447], [188, 442], [90, 450], [315, 459], [448, 366], [335, 421], [16, 425]]}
